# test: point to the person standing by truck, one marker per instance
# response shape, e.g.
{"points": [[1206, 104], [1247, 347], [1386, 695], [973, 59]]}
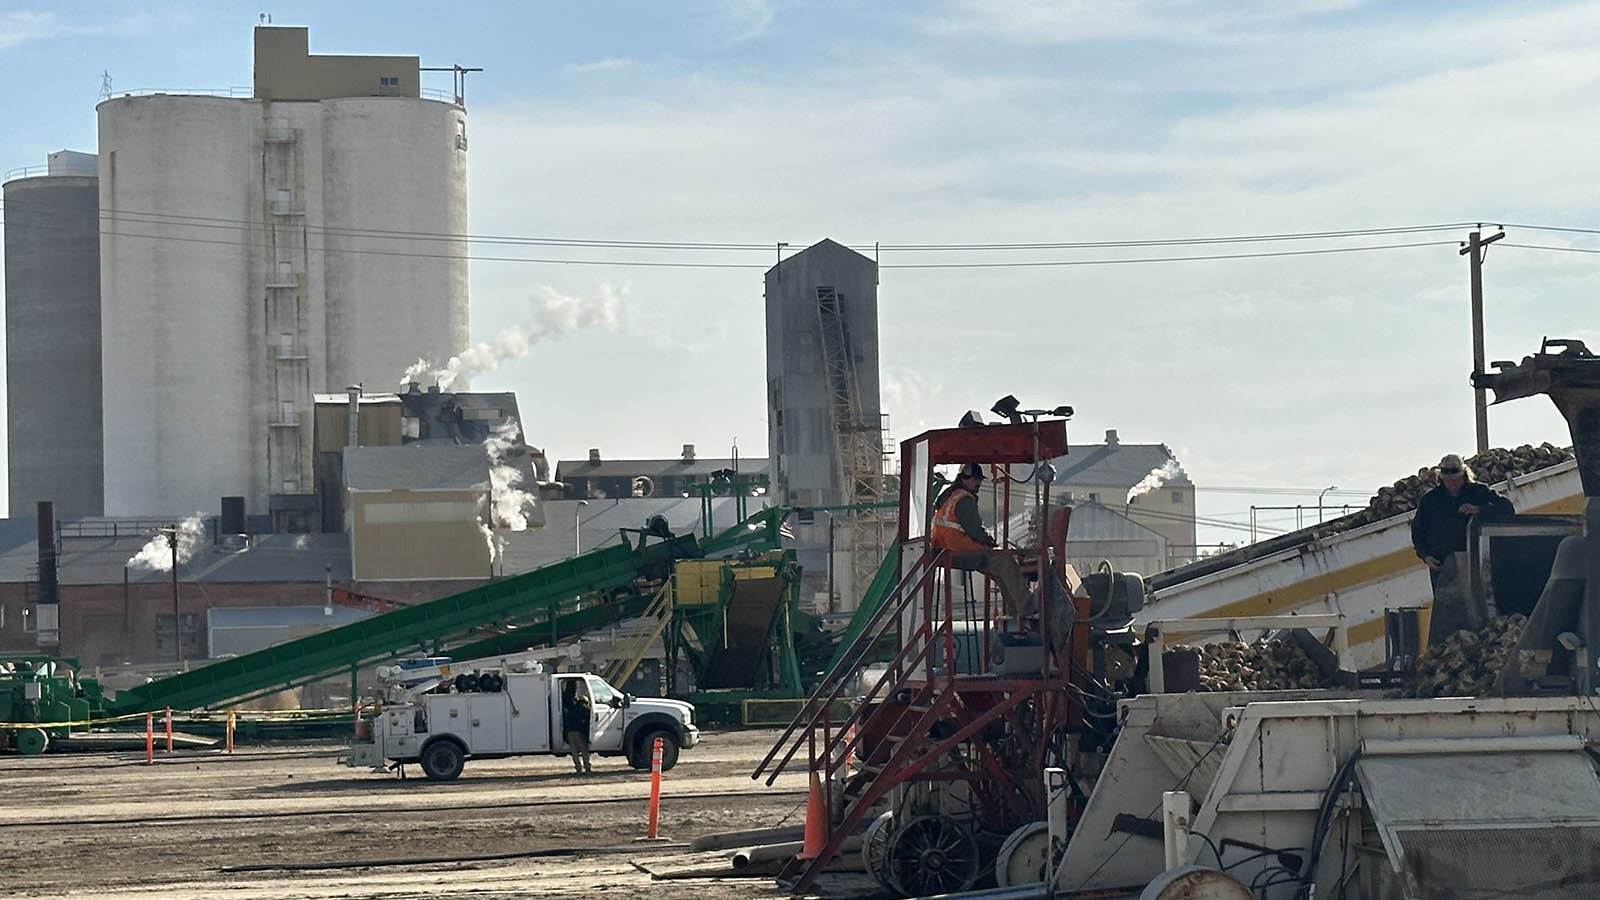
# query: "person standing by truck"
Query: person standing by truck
{"points": [[576, 715]]}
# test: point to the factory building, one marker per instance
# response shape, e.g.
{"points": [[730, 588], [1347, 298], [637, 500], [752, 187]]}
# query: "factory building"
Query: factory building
{"points": [[1142, 501], [259, 250], [826, 434], [688, 475], [52, 277]]}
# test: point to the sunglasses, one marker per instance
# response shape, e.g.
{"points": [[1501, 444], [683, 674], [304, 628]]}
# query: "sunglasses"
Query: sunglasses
{"points": [[1450, 471]]}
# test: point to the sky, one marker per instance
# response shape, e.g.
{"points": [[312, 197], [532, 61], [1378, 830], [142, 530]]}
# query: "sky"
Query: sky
{"points": [[1230, 228]]}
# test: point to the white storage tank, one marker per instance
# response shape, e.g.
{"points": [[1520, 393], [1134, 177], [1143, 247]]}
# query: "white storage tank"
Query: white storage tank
{"points": [[398, 166], [259, 251], [179, 270]]}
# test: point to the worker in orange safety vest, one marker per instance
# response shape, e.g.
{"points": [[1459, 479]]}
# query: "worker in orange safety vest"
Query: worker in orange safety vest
{"points": [[958, 528]]}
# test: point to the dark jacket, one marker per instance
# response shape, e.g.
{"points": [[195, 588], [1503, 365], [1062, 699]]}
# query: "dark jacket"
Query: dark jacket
{"points": [[574, 712], [1439, 527]]}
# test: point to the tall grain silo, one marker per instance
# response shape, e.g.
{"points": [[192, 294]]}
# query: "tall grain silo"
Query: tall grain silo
{"points": [[825, 430], [260, 250], [52, 275]]}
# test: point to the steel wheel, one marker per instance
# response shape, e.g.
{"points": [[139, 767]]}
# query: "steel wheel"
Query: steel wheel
{"points": [[932, 855], [875, 850], [1025, 857]]}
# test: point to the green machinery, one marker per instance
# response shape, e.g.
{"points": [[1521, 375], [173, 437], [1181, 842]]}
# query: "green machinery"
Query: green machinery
{"points": [[532, 609], [42, 697], [732, 632]]}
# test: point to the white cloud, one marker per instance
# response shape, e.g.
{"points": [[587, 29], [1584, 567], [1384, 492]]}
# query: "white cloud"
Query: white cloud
{"points": [[749, 19], [610, 64], [21, 26], [1084, 21]]}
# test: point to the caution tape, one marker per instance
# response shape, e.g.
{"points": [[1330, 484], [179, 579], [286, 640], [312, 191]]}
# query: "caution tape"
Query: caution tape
{"points": [[75, 723], [278, 715]]}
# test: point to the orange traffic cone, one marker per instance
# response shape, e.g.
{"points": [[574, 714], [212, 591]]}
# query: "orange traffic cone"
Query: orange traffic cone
{"points": [[816, 821]]}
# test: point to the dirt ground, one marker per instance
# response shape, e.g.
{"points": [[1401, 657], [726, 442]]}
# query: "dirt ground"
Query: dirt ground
{"points": [[289, 822]]}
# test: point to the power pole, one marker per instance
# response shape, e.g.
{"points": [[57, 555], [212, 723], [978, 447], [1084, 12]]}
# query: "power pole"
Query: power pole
{"points": [[1475, 250]]}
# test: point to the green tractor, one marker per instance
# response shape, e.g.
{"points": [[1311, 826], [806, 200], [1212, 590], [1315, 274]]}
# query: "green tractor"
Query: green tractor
{"points": [[42, 697]]}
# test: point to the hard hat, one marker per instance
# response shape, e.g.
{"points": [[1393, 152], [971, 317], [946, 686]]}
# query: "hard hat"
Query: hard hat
{"points": [[970, 470]]}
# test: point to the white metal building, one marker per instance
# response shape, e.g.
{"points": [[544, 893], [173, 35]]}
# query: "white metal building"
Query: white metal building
{"points": [[255, 251]]}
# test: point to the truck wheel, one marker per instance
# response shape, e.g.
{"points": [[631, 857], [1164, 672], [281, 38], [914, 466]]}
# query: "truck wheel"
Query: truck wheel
{"points": [[442, 760], [644, 749]]}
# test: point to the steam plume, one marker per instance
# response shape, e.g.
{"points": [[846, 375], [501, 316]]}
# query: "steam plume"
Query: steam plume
{"points": [[156, 555], [1157, 477], [555, 314]]}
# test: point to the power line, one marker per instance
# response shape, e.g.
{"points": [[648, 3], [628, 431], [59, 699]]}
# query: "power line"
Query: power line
{"points": [[1163, 259], [1552, 248], [769, 246], [765, 265]]}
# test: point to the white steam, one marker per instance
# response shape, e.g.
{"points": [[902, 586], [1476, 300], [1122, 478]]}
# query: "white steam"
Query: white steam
{"points": [[555, 314], [1157, 477], [510, 505], [156, 556]]}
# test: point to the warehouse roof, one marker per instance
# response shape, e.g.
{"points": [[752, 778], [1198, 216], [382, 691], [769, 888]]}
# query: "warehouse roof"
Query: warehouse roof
{"points": [[417, 467], [1122, 465], [106, 559], [627, 468]]}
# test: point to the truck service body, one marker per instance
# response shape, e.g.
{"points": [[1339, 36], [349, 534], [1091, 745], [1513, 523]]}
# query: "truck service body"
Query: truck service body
{"points": [[511, 710]]}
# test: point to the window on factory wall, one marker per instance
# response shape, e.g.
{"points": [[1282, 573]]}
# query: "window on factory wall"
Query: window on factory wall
{"points": [[1094, 497], [1177, 496]]}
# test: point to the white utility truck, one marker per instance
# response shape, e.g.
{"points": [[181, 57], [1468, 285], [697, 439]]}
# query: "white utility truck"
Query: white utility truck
{"points": [[439, 713]]}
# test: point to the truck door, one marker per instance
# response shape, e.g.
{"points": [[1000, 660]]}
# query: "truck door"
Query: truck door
{"points": [[605, 732]]}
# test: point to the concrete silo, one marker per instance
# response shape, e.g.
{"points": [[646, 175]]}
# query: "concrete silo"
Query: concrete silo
{"points": [[52, 275], [260, 250], [825, 430]]}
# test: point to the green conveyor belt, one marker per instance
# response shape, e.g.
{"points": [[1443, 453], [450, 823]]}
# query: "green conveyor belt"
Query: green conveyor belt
{"points": [[534, 599]]}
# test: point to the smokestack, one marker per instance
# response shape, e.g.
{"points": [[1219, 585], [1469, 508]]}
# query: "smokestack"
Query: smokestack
{"points": [[232, 516], [594, 456], [353, 436], [1111, 437], [688, 453], [47, 553]]}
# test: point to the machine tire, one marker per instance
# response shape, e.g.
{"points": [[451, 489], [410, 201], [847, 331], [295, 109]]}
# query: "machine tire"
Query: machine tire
{"points": [[643, 749], [1025, 857], [875, 851], [442, 760], [932, 855], [31, 741]]}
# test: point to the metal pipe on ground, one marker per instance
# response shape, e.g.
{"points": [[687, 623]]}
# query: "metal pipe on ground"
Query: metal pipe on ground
{"points": [[747, 857], [730, 839]]}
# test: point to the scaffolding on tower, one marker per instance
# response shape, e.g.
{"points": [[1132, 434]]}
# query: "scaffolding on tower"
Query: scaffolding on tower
{"points": [[858, 446]]}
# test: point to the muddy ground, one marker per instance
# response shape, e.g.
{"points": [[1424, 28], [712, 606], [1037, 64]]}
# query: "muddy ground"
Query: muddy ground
{"points": [[286, 821]]}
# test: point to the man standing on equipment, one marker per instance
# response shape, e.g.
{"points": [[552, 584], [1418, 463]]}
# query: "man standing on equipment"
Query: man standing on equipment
{"points": [[1440, 525], [958, 528]]}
